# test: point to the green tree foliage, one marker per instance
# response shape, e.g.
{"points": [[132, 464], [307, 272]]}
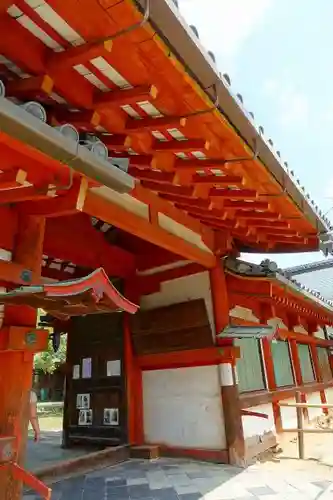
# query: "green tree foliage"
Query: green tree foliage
{"points": [[48, 361]]}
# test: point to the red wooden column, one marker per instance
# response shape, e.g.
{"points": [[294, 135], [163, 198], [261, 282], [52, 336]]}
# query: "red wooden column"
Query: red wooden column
{"points": [[133, 373], [297, 371], [312, 328], [16, 366], [229, 389], [268, 312], [292, 321]]}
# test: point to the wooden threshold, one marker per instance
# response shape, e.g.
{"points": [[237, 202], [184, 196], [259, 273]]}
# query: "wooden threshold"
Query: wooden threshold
{"points": [[83, 464]]}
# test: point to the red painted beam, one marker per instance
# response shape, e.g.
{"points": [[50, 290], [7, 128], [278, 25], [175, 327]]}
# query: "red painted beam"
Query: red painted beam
{"points": [[194, 165], [213, 213], [263, 223], [35, 87], [125, 96], [115, 141], [77, 231], [276, 231], [84, 120], [215, 223], [249, 413], [285, 239], [25, 194], [222, 180], [69, 202], [151, 175], [163, 123], [190, 358], [8, 217], [77, 55], [252, 205], [248, 214], [175, 146], [136, 160], [168, 188], [233, 194], [190, 202]]}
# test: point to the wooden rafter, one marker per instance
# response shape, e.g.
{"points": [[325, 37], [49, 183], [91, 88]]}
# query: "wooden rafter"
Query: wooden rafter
{"points": [[125, 96], [175, 113]]}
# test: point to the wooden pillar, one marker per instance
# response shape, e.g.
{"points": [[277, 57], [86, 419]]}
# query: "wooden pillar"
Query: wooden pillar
{"points": [[297, 371], [267, 312], [228, 379], [133, 374], [317, 372], [271, 381], [16, 367], [296, 362]]}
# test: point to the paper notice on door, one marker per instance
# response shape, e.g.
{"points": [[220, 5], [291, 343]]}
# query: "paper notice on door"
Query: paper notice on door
{"points": [[76, 372], [113, 368], [111, 416], [86, 368]]}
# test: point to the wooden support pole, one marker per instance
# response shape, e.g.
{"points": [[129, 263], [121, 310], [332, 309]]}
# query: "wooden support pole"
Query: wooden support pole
{"points": [[317, 371], [297, 371], [268, 312], [310, 431], [300, 427], [133, 374], [16, 365], [229, 388]]}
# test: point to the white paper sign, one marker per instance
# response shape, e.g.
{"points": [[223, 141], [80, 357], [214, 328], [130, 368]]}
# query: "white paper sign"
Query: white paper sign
{"points": [[76, 372], [86, 368], [83, 401], [85, 417], [113, 368], [111, 416]]}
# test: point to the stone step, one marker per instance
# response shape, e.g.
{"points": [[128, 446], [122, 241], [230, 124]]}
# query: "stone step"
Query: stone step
{"points": [[147, 452]]}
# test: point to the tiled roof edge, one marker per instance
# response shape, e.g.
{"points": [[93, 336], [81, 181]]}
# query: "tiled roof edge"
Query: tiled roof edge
{"points": [[184, 41], [308, 268], [269, 269]]}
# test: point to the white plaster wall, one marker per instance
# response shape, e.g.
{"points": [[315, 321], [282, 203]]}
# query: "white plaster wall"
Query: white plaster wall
{"points": [[181, 231], [300, 329], [243, 313], [195, 286], [288, 415], [314, 398], [255, 426], [277, 322], [183, 408], [319, 333]]}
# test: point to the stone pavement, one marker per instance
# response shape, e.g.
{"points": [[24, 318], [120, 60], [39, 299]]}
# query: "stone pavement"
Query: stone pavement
{"points": [[169, 479], [48, 452]]}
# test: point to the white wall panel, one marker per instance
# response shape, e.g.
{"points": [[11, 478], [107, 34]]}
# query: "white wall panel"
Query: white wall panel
{"points": [[183, 408]]}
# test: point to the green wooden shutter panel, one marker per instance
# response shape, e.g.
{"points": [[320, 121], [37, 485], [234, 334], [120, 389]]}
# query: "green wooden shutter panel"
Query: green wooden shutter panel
{"points": [[249, 366], [282, 364], [324, 363], [306, 363]]}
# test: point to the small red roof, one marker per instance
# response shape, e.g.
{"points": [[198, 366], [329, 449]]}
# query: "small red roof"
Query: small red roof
{"points": [[89, 295]]}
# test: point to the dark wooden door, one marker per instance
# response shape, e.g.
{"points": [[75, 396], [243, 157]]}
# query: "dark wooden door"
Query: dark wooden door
{"points": [[95, 399]]}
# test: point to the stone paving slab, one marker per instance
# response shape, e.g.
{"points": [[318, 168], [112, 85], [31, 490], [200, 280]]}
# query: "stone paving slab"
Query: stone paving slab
{"points": [[48, 451], [169, 479]]}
